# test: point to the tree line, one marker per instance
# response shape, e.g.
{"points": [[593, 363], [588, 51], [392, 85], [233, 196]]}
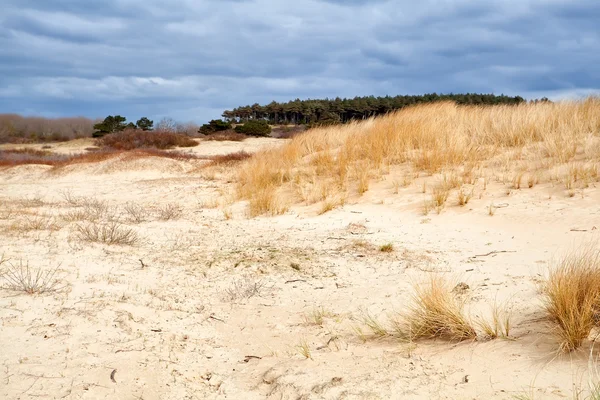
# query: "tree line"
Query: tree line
{"points": [[338, 110]]}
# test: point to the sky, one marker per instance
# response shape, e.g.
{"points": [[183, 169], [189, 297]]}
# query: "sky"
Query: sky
{"points": [[192, 59]]}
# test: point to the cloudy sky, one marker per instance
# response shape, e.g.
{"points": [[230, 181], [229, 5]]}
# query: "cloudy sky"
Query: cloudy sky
{"points": [[191, 59]]}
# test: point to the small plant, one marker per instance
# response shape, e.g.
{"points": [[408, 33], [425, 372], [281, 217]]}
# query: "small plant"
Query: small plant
{"points": [[23, 278], [316, 316], [386, 248], [304, 349], [244, 289], [500, 324], [136, 213], [464, 197], [374, 325], [227, 213], [426, 207], [110, 233], [169, 211], [439, 196]]}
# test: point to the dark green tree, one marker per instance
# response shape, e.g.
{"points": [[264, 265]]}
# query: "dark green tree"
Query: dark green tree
{"points": [[110, 124], [326, 111], [145, 124]]}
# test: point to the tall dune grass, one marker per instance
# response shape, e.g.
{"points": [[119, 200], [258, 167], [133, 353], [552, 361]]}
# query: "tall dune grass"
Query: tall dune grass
{"points": [[430, 138]]}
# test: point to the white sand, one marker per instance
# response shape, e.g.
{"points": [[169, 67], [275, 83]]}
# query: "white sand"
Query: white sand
{"points": [[180, 328]]}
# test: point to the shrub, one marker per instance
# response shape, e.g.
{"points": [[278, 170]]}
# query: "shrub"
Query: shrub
{"points": [[216, 125], [226, 136], [254, 128], [134, 139]]}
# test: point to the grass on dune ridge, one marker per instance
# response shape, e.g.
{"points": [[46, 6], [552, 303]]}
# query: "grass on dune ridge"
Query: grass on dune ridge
{"points": [[430, 138]]}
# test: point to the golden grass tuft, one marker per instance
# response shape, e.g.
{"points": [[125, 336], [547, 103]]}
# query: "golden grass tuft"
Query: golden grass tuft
{"points": [[436, 312], [500, 323], [572, 296], [427, 138]]}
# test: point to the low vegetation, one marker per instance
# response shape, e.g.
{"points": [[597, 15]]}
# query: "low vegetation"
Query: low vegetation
{"points": [[439, 138], [14, 157], [111, 233], [130, 139], [436, 312], [254, 128], [572, 297], [20, 277]]}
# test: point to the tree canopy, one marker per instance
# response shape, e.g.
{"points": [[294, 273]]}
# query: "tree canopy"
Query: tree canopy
{"points": [[330, 111], [110, 124], [144, 124], [116, 123]]}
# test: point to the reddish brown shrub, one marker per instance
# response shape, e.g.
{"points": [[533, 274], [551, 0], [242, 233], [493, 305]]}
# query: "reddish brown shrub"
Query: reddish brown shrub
{"points": [[29, 156], [226, 136], [231, 158], [137, 139]]}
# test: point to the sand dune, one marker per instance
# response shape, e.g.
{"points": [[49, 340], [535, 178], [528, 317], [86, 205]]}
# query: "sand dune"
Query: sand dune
{"points": [[208, 303]]}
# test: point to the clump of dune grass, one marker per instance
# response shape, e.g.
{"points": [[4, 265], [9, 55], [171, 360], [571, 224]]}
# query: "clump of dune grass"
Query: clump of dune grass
{"points": [[572, 296], [429, 138], [436, 312], [107, 233]]}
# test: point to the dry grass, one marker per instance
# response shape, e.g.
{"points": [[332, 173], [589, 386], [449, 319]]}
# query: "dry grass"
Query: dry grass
{"points": [[169, 211], [429, 138], [316, 316], [22, 278], [464, 197], [386, 248], [303, 349], [135, 213], [436, 312], [572, 296], [108, 233], [244, 289], [500, 323]]}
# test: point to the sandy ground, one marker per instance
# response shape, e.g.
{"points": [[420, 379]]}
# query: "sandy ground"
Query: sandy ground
{"points": [[205, 307]]}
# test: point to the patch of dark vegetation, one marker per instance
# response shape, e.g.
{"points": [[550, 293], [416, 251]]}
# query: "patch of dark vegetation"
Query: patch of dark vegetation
{"points": [[130, 139], [224, 136]]}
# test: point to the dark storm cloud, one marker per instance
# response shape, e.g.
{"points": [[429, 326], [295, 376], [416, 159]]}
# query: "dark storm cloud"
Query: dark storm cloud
{"points": [[191, 59]]}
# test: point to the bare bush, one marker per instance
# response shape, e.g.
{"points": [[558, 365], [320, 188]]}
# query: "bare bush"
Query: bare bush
{"points": [[169, 211], [108, 233], [243, 289], [22, 278], [136, 213]]}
